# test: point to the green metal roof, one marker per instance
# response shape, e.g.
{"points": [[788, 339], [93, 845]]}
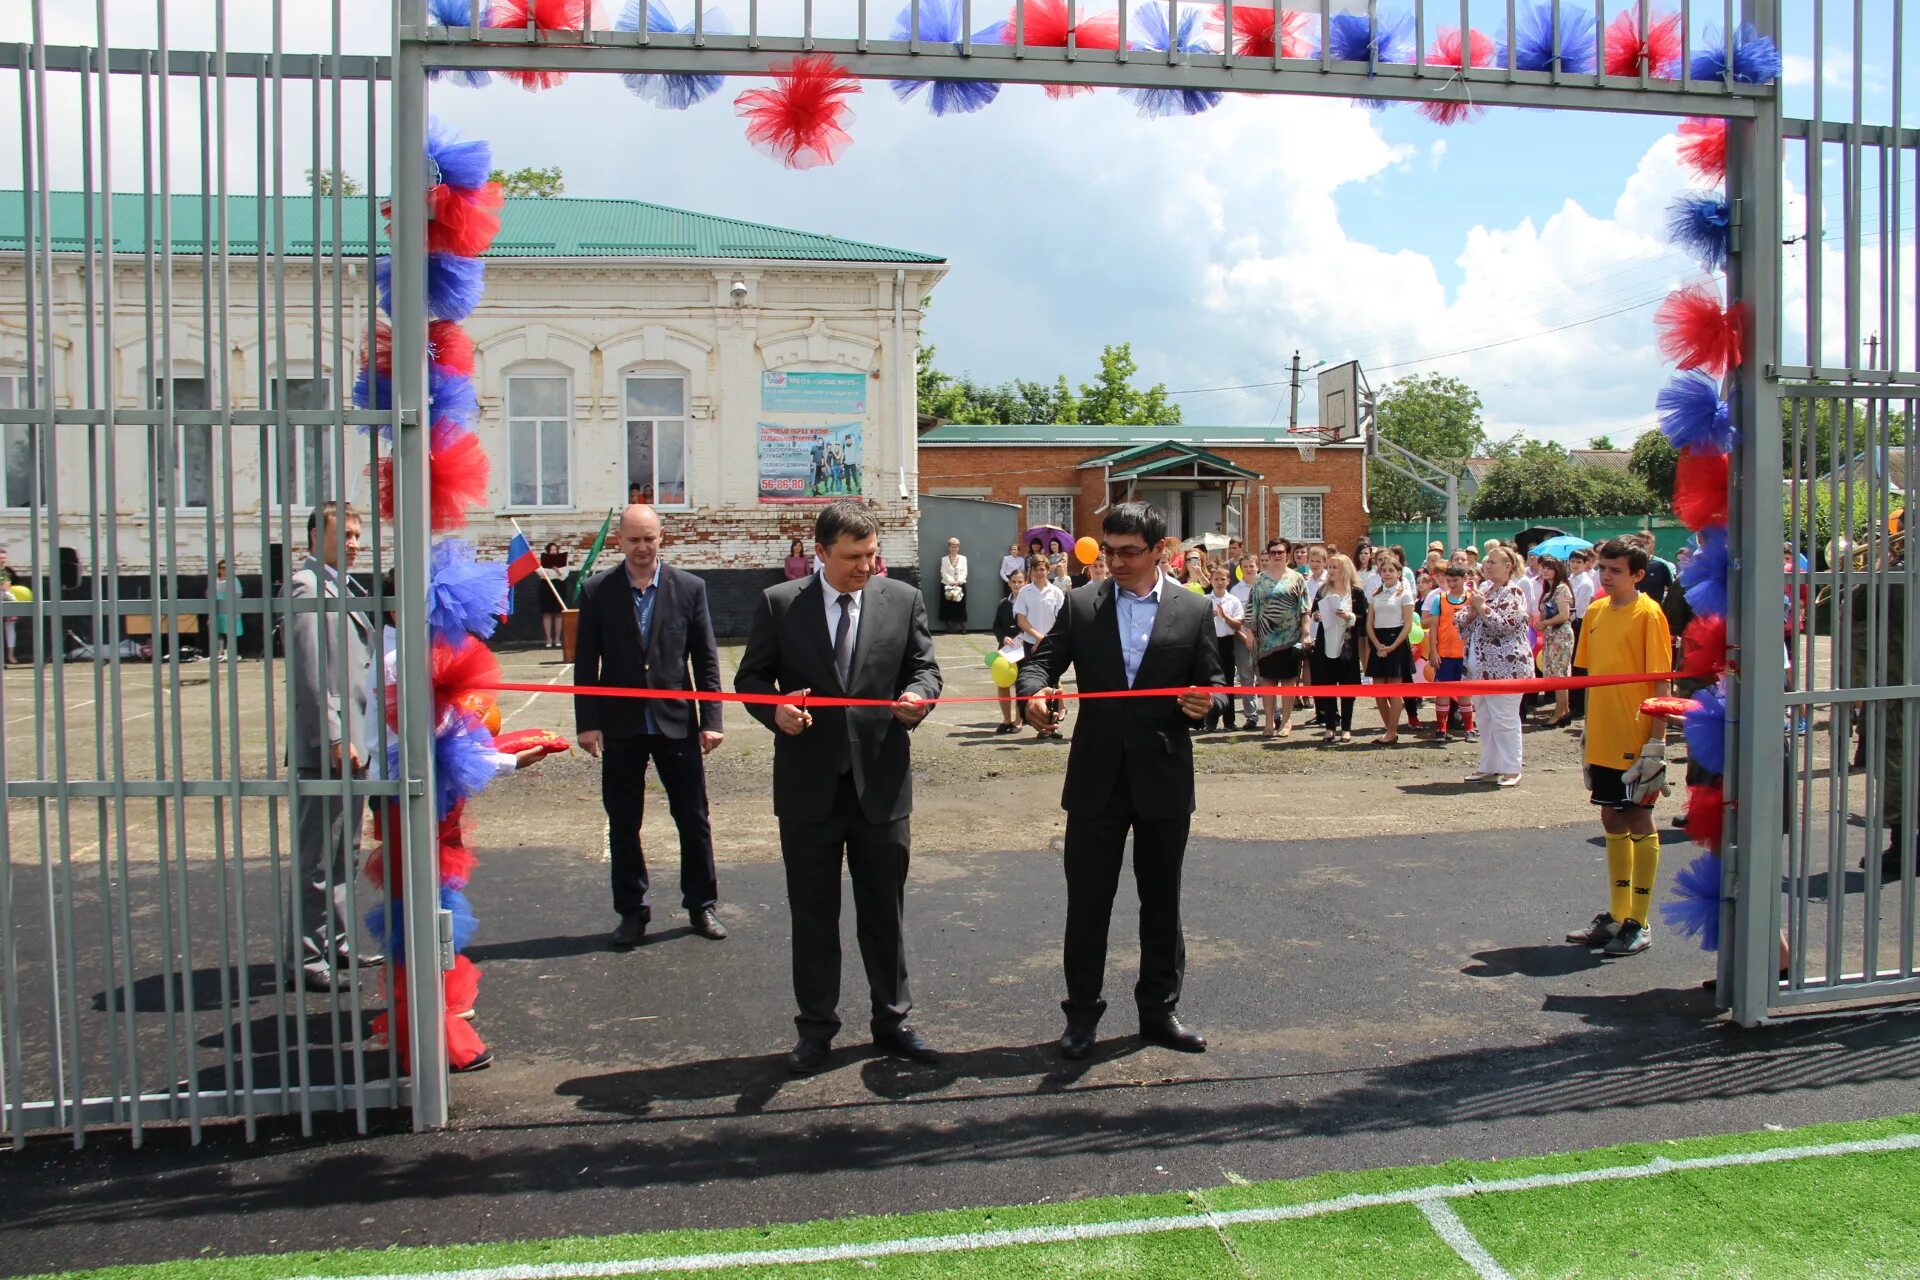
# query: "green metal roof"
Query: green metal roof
{"points": [[1183, 457], [531, 227], [1120, 438]]}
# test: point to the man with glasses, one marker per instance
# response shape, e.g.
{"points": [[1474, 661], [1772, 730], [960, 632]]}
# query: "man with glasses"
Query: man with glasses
{"points": [[1130, 768]]}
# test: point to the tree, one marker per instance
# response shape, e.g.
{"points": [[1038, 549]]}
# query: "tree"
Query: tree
{"points": [[1539, 479], [1434, 416], [1653, 461], [530, 182], [1601, 444], [1617, 493], [1831, 433], [323, 182], [1112, 397]]}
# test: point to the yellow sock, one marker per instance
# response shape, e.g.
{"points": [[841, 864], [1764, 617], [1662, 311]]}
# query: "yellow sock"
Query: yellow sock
{"points": [[1646, 863], [1620, 875]]}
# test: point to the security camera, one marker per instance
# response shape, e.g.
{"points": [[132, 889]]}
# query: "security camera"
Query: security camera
{"points": [[738, 293]]}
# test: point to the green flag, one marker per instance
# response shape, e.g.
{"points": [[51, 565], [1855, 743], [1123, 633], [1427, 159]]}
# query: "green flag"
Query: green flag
{"points": [[592, 555]]}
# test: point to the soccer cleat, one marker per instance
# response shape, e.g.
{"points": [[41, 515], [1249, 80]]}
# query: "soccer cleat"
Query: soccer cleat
{"points": [[1598, 933], [1632, 939]]}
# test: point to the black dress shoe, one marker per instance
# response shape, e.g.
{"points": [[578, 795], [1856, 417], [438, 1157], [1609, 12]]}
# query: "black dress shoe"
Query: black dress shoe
{"points": [[1172, 1033], [1077, 1043], [906, 1042], [707, 924], [808, 1055], [631, 933]]}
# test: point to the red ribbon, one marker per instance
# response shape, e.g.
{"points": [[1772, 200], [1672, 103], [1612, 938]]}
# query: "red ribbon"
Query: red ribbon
{"points": [[1420, 689]]}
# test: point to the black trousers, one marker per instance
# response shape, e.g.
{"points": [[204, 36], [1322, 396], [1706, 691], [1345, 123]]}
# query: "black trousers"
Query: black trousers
{"points": [[876, 857], [1221, 707], [1095, 847], [1334, 713], [1577, 698], [683, 772]]}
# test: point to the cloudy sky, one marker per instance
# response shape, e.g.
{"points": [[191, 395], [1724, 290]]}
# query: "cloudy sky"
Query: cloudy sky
{"points": [[1522, 251]]}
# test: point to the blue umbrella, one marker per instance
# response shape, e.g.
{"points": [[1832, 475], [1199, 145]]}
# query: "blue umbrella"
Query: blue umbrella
{"points": [[1561, 547]]}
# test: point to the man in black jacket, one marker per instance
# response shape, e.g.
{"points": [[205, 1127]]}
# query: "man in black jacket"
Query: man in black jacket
{"points": [[843, 776], [1130, 767], [644, 625]]}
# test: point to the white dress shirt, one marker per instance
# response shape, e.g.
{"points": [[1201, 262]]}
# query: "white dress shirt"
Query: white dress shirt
{"points": [[1583, 588], [833, 614], [1040, 605], [1231, 609]]}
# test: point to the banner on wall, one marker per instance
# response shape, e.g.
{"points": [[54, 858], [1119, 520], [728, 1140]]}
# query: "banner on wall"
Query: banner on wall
{"points": [[782, 392], [809, 464]]}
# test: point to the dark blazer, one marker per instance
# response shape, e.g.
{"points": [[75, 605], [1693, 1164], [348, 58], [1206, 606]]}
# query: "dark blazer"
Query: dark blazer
{"points": [[607, 652], [1150, 737], [788, 648]]}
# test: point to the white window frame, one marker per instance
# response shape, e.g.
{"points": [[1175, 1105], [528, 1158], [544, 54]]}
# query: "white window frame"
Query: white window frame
{"points": [[1302, 516], [17, 381], [565, 422], [303, 437], [1040, 506], [179, 497], [627, 425]]}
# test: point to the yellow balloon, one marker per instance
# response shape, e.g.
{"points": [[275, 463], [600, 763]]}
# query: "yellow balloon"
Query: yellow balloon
{"points": [[1418, 635], [1196, 588], [22, 593], [1004, 673]]}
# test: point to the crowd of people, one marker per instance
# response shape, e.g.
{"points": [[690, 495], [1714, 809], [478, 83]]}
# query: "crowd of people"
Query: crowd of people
{"points": [[1309, 613]]}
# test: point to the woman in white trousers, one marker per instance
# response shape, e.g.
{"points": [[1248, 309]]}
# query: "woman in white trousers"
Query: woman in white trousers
{"points": [[1498, 649]]}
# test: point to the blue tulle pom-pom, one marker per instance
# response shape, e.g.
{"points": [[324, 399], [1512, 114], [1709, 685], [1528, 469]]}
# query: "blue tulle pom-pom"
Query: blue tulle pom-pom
{"points": [[674, 92], [1692, 908], [372, 390], [1705, 577], [1351, 38], [390, 934], [940, 23], [1699, 222], [456, 13], [463, 760], [1706, 728], [465, 923], [463, 165], [454, 285], [1756, 59], [1533, 40], [1150, 20], [465, 595], [1692, 414], [451, 396]]}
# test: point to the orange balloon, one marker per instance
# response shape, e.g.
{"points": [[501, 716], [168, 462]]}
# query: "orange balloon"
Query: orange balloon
{"points": [[1086, 551], [483, 706]]}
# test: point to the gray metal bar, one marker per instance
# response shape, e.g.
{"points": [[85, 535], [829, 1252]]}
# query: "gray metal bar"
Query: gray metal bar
{"points": [[268, 1100], [135, 62]]}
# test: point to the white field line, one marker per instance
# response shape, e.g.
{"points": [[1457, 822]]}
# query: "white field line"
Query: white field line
{"points": [[1447, 1224], [522, 709], [974, 1240]]}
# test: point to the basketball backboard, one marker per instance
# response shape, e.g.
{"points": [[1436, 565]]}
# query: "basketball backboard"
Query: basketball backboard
{"points": [[1343, 413]]}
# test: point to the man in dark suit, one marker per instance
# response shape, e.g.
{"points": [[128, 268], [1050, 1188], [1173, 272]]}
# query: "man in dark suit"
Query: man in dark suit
{"points": [[644, 625], [1130, 767], [842, 776]]}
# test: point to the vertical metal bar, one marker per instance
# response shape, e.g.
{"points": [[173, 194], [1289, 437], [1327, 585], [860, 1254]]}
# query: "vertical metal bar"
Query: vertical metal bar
{"points": [[1800, 830], [426, 998], [1840, 730], [1893, 228], [1753, 861], [1909, 709], [1816, 194], [381, 554], [1326, 32]]}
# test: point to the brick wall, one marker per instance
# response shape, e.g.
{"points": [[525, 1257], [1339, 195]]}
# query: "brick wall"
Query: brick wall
{"points": [[1004, 473]]}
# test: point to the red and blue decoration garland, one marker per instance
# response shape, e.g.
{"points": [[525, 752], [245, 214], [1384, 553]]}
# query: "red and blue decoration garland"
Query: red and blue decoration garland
{"points": [[801, 119]]}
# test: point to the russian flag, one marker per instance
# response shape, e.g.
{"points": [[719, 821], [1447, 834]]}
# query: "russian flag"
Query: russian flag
{"points": [[521, 563]]}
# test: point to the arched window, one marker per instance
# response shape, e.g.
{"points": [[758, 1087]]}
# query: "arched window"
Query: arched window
{"points": [[539, 415], [654, 410], [16, 440]]}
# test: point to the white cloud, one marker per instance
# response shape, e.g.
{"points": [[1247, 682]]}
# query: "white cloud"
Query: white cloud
{"points": [[1436, 153]]}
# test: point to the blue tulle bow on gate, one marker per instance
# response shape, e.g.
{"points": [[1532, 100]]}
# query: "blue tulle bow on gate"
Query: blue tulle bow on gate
{"points": [[1351, 37], [1692, 908], [454, 285], [458, 13], [390, 927], [1150, 20], [464, 165], [465, 595], [1705, 577], [941, 23], [1756, 59], [451, 396], [1706, 729], [1532, 40], [1699, 222], [675, 91], [1692, 414]]}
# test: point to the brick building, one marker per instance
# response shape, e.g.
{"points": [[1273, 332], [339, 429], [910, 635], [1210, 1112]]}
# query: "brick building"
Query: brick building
{"points": [[1246, 482]]}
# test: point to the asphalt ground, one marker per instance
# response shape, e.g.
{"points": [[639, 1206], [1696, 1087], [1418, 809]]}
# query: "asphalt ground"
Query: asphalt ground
{"points": [[1372, 1001]]}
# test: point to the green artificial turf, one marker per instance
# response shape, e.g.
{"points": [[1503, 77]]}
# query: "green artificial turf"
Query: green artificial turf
{"points": [[1846, 1215]]}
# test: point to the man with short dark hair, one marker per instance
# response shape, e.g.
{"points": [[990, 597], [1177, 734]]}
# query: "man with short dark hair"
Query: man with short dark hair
{"points": [[1130, 768], [644, 625], [843, 776], [328, 664]]}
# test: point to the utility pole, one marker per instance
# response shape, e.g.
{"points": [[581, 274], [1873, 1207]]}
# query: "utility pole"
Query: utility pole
{"points": [[1293, 402], [1873, 352]]}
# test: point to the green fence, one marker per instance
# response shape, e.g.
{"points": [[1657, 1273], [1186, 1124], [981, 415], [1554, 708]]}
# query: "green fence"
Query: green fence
{"points": [[1668, 534]]}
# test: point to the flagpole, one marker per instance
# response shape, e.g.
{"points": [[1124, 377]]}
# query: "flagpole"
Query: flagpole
{"points": [[543, 577]]}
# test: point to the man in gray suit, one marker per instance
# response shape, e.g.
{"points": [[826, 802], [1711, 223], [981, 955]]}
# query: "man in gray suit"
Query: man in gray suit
{"points": [[842, 776], [329, 707]]}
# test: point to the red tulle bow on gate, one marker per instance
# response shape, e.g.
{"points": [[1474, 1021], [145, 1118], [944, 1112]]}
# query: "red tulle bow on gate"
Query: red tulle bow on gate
{"points": [[1446, 53], [1696, 332], [1703, 147], [801, 121], [1624, 45], [541, 15]]}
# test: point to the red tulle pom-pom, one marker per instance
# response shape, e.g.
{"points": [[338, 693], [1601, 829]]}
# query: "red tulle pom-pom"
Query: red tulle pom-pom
{"points": [[1696, 332], [456, 865], [1703, 147], [1706, 814], [1700, 489], [1624, 45], [382, 348], [449, 346], [464, 223], [464, 1045], [1703, 647], [1045, 26], [1446, 53], [542, 15], [459, 471], [801, 120], [462, 985], [458, 668], [1253, 32]]}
